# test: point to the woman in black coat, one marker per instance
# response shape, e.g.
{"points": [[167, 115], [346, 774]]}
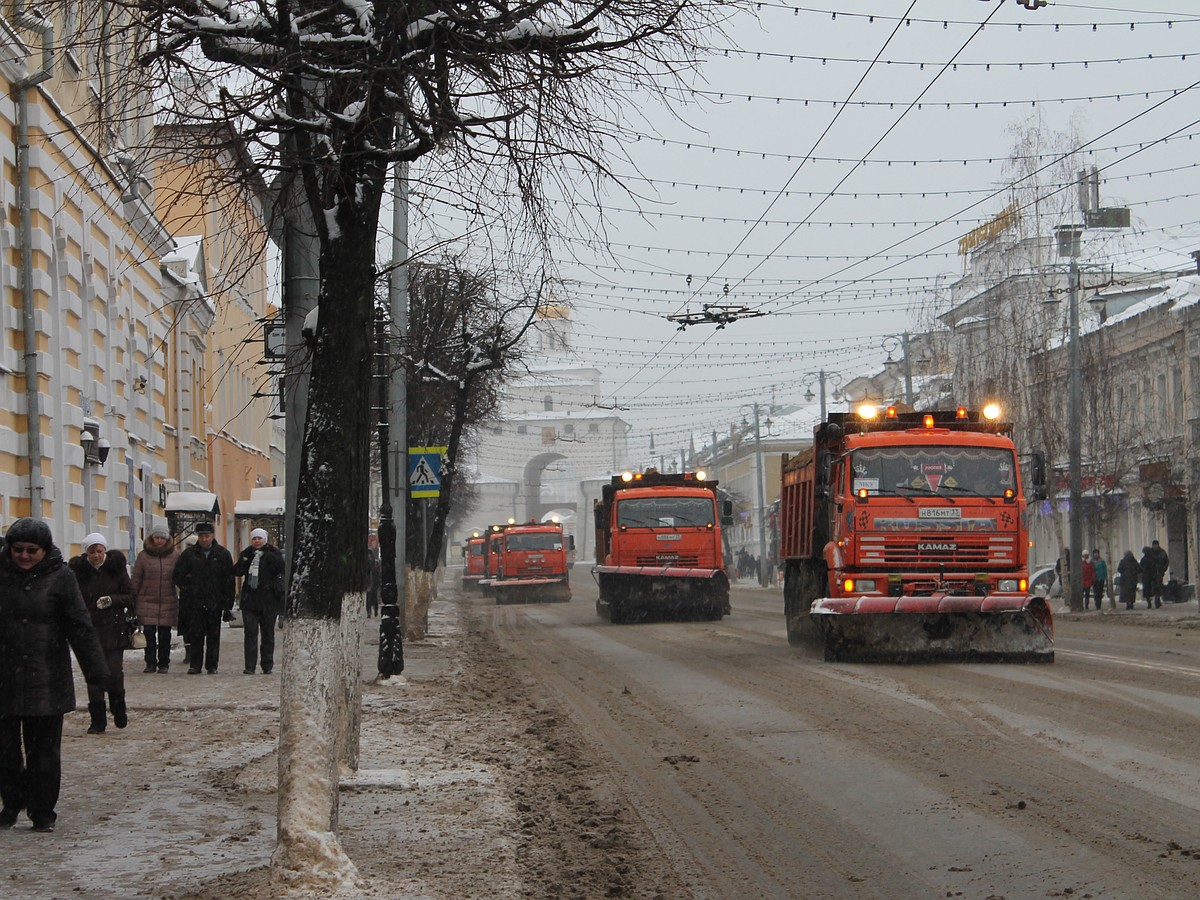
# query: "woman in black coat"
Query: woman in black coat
{"points": [[41, 614], [1129, 570], [103, 578]]}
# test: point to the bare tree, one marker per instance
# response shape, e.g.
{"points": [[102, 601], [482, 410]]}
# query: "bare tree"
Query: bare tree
{"points": [[329, 93], [465, 330]]}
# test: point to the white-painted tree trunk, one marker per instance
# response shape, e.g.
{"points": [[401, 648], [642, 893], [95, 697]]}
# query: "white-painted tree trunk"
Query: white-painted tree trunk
{"points": [[309, 851], [419, 593], [354, 608]]}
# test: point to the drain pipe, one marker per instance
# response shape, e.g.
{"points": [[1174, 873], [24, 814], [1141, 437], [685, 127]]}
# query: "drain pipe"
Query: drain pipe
{"points": [[42, 27]]}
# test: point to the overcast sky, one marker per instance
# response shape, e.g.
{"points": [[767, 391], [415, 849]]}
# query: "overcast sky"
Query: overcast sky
{"points": [[836, 154]]}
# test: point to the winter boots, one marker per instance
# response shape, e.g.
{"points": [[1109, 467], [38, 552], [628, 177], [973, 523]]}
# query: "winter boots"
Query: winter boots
{"points": [[96, 711], [116, 703]]}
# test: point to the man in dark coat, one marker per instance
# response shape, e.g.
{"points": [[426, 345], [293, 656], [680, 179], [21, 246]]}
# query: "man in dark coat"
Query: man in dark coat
{"points": [[41, 615], [103, 578], [260, 566], [1161, 564], [204, 576]]}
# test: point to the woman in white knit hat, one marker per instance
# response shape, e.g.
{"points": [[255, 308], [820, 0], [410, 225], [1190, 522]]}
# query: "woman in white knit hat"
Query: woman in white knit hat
{"points": [[104, 583]]}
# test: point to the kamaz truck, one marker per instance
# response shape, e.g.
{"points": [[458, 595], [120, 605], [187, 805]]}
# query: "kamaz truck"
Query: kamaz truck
{"points": [[658, 547], [528, 563], [904, 538]]}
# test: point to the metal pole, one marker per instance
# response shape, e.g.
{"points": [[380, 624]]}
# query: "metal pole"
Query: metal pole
{"points": [[1074, 452], [391, 651], [762, 504], [822, 380], [908, 388]]}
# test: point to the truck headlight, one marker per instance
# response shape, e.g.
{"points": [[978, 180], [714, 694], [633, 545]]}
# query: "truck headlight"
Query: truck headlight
{"points": [[1008, 585]]}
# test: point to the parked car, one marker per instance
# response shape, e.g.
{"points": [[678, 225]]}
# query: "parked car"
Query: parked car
{"points": [[1044, 582]]}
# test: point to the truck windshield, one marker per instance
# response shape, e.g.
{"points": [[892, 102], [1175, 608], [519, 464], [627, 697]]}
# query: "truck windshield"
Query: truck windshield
{"points": [[476, 549], [981, 471], [665, 512], [544, 540]]}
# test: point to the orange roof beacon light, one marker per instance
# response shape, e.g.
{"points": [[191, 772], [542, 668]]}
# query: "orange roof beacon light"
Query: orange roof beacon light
{"points": [[960, 413], [927, 420], [890, 413], [991, 412]]}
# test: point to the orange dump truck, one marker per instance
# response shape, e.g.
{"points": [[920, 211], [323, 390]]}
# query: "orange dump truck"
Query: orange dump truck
{"points": [[474, 560], [904, 538], [658, 547], [528, 563]]}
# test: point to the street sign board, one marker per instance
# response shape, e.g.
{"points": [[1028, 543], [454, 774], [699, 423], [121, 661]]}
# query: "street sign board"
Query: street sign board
{"points": [[425, 471]]}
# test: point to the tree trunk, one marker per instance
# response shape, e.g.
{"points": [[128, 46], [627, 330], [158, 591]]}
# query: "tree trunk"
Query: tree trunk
{"points": [[419, 594], [329, 569]]}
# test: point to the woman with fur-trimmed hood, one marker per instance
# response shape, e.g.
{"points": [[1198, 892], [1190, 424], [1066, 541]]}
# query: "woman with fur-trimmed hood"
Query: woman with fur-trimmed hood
{"points": [[157, 602]]}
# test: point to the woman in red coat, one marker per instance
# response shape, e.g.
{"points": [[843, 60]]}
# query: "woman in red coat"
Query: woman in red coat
{"points": [[104, 583], [157, 602]]}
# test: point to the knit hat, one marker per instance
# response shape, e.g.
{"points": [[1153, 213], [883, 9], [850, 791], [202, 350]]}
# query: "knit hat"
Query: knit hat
{"points": [[160, 531], [259, 532], [31, 531], [94, 538]]}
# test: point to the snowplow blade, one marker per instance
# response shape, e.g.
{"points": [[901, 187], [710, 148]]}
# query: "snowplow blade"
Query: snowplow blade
{"points": [[532, 591], [924, 629]]}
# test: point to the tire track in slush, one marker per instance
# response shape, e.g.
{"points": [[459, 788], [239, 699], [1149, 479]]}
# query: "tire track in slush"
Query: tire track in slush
{"points": [[874, 733]]}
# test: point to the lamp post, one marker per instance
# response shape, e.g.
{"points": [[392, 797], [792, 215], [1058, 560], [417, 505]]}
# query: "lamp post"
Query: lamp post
{"points": [[95, 453], [821, 378], [892, 343], [391, 650], [762, 502], [1069, 241]]}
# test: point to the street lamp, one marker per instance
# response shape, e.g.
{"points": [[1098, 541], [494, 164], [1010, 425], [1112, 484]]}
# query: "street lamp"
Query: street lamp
{"points": [[95, 454], [1069, 243], [821, 378], [892, 343]]}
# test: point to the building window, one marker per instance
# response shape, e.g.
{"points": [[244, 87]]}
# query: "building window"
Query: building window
{"points": [[522, 429], [568, 428], [593, 427], [547, 403]]}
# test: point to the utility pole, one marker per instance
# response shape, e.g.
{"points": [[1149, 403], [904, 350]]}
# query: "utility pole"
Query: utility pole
{"points": [[762, 503], [391, 653], [908, 388], [1069, 240], [393, 454]]}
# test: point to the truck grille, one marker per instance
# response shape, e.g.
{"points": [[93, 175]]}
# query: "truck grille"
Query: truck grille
{"points": [[683, 561], [951, 550]]}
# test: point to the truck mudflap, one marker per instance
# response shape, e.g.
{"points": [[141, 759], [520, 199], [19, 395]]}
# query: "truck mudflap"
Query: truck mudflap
{"points": [[635, 593], [995, 628], [528, 590]]}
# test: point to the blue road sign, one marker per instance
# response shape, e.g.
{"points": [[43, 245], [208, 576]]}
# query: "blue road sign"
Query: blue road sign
{"points": [[425, 471]]}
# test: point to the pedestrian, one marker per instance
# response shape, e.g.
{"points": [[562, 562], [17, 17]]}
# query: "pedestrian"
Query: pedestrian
{"points": [[103, 579], [41, 615], [204, 576], [1062, 568], [155, 598], [1128, 571], [1089, 580], [1161, 564], [260, 566], [1146, 563], [1100, 585], [374, 575]]}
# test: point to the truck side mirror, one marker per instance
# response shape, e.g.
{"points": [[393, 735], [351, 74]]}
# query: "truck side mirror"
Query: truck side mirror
{"points": [[601, 521], [571, 542], [824, 474], [1037, 475], [726, 513]]}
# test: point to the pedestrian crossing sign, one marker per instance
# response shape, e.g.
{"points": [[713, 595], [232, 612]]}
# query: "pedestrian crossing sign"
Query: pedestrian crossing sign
{"points": [[425, 471]]}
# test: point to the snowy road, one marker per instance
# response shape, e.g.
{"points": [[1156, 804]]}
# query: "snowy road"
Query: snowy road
{"points": [[540, 752], [764, 772]]}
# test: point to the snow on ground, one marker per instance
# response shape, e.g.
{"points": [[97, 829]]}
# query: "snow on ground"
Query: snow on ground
{"points": [[472, 784]]}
